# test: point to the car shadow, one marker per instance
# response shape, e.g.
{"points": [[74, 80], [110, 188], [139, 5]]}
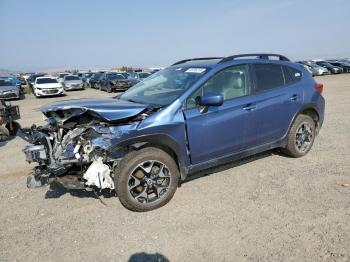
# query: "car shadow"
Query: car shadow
{"points": [[229, 165], [56, 191], [8, 139], [144, 257]]}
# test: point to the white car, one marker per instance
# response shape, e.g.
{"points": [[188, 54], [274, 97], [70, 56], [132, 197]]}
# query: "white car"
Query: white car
{"points": [[47, 86]]}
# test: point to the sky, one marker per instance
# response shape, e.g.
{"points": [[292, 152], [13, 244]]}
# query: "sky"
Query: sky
{"points": [[49, 34]]}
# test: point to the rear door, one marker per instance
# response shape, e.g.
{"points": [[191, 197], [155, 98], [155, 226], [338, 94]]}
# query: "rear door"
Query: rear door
{"points": [[278, 96], [221, 130]]}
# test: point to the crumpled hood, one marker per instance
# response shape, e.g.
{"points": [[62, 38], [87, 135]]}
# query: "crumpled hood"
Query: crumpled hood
{"points": [[109, 109]]}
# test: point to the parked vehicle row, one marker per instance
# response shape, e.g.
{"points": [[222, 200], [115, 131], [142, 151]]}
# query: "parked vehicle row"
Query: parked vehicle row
{"points": [[326, 67]]}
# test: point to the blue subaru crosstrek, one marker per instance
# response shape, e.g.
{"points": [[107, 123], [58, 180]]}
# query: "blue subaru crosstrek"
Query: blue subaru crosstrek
{"points": [[197, 113]]}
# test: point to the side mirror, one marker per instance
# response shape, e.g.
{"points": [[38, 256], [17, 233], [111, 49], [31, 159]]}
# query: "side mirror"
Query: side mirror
{"points": [[210, 99]]}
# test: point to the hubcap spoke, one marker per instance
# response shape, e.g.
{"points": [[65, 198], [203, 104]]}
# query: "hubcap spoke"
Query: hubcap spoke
{"points": [[143, 195], [148, 168], [137, 182]]}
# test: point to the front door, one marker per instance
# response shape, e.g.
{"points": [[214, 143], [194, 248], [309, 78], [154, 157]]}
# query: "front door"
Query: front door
{"points": [[222, 130]]}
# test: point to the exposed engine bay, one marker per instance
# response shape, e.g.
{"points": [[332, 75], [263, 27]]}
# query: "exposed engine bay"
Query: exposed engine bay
{"points": [[77, 142]]}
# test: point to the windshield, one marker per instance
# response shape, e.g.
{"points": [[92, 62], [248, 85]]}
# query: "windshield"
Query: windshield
{"points": [[46, 81], [62, 75], [163, 87], [115, 76], [69, 78], [5, 82]]}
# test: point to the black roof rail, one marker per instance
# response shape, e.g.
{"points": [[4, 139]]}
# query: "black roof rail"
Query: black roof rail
{"points": [[196, 59], [260, 56]]}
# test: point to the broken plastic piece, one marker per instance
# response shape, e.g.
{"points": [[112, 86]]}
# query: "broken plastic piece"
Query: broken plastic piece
{"points": [[98, 174]]}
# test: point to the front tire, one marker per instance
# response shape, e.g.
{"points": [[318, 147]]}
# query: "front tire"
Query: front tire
{"points": [[146, 179], [301, 136]]}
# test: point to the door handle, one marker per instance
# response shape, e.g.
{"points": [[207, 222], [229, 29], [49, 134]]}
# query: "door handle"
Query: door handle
{"points": [[294, 97], [249, 107]]}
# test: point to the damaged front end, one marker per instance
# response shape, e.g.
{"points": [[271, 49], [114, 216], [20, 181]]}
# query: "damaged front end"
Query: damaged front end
{"points": [[74, 148]]}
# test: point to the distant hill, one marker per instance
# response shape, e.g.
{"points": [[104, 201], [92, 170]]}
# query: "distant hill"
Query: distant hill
{"points": [[8, 72]]}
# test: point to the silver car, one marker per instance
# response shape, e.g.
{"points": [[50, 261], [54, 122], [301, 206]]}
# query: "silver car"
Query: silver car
{"points": [[72, 82], [8, 89]]}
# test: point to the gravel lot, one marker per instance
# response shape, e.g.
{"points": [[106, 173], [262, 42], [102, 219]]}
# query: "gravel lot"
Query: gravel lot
{"points": [[265, 208]]}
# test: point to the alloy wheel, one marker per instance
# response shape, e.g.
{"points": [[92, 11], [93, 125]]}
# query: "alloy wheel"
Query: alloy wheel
{"points": [[149, 181], [303, 137]]}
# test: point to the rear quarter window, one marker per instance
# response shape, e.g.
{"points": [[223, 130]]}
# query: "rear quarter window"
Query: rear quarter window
{"points": [[291, 75]]}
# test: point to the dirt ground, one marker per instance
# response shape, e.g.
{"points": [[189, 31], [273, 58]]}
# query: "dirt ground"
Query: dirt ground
{"points": [[265, 208]]}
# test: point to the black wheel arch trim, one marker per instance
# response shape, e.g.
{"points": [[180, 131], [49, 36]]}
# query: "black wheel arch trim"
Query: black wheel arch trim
{"points": [[161, 141], [303, 108]]}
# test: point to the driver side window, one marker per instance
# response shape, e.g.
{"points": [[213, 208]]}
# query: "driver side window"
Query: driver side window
{"points": [[231, 83]]}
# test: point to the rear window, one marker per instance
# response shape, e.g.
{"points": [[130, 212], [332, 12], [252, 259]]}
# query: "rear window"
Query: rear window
{"points": [[268, 76]]}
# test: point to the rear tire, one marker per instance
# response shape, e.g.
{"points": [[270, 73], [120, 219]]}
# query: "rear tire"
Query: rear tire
{"points": [[146, 179], [301, 136]]}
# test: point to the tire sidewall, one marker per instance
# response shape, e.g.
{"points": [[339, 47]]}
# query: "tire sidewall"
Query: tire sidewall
{"points": [[123, 173]]}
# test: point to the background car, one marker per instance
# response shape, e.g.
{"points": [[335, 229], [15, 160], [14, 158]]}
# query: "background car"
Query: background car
{"points": [[31, 80], [125, 74], [139, 76], [9, 90], [333, 69], [60, 77], [85, 77], [47, 86], [72, 82], [112, 81], [17, 81], [344, 65], [94, 79], [317, 70]]}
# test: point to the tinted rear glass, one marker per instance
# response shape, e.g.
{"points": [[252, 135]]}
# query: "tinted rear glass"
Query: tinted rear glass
{"points": [[268, 76]]}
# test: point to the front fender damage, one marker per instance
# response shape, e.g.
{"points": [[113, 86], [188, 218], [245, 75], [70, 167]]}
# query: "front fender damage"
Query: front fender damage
{"points": [[82, 152]]}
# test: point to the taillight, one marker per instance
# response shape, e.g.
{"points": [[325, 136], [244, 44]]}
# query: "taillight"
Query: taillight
{"points": [[319, 87]]}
